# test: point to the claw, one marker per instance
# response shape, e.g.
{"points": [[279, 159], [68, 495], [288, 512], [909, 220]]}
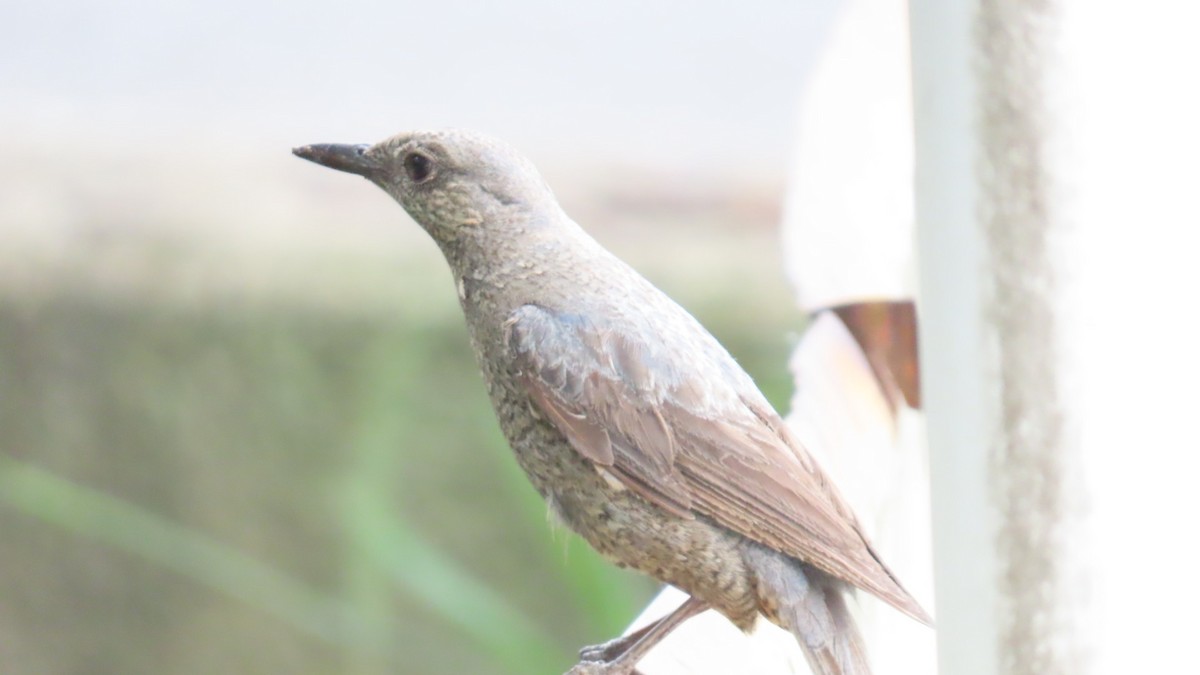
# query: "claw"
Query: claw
{"points": [[608, 651]]}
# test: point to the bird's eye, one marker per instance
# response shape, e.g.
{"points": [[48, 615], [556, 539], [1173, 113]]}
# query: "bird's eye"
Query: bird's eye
{"points": [[418, 167]]}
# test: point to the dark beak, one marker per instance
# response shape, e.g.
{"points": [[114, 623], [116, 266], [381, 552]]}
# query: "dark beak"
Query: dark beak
{"points": [[348, 158]]}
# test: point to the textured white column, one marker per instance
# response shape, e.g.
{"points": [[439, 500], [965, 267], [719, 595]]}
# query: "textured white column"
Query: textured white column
{"points": [[1056, 182]]}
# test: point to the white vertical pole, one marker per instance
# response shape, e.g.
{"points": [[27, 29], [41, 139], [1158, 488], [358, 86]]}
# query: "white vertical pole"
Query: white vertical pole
{"points": [[954, 360]]}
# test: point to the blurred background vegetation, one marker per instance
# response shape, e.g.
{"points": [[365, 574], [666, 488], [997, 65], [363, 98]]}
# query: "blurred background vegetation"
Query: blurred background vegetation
{"points": [[208, 467], [240, 426]]}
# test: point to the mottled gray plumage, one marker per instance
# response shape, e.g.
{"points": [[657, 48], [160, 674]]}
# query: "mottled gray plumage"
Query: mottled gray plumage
{"points": [[640, 431]]}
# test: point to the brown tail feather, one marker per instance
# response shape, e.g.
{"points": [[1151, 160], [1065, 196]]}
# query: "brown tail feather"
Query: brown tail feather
{"points": [[812, 605], [844, 652]]}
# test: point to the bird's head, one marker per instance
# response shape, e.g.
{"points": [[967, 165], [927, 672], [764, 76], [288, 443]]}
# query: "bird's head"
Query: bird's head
{"points": [[451, 182]]}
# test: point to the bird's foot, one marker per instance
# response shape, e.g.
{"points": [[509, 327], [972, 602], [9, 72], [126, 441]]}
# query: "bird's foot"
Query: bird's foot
{"points": [[620, 656], [586, 667], [608, 651]]}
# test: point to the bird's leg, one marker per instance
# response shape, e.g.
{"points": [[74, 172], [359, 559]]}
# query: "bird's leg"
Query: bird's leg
{"points": [[607, 651], [620, 656]]}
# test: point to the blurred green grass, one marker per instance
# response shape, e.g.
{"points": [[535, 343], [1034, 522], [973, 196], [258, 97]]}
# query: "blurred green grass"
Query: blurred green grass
{"points": [[267, 487]]}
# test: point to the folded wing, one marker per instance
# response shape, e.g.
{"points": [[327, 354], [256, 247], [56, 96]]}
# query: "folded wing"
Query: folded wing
{"points": [[695, 443]]}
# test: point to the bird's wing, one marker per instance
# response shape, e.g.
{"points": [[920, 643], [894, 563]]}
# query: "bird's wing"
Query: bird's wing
{"points": [[670, 438]]}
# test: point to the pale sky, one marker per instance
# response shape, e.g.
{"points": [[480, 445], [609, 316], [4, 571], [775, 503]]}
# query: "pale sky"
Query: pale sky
{"points": [[684, 81]]}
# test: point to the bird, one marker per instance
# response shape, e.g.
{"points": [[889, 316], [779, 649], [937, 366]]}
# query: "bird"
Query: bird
{"points": [[641, 432]]}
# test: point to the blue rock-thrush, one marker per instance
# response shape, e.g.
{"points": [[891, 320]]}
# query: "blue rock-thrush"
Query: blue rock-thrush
{"points": [[637, 427]]}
